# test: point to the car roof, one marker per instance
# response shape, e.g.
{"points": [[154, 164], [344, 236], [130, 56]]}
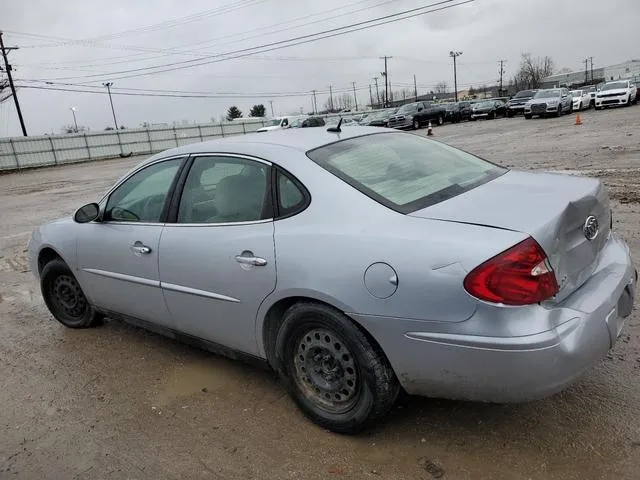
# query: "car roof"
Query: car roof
{"points": [[301, 140]]}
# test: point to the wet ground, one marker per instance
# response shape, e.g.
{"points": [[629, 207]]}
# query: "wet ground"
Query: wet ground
{"points": [[117, 402]]}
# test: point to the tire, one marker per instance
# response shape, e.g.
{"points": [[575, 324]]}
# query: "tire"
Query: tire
{"points": [[509, 114], [492, 116], [440, 120], [339, 378], [416, 124], [64, 297], [528, 116], [580, 107]]}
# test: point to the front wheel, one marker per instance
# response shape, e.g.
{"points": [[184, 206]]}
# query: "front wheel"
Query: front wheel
{"points": [[64, 297], [416, 124], [440, 120], [337, 376], [528, 116]]}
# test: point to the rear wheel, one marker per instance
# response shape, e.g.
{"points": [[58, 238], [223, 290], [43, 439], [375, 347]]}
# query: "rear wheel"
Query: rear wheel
{"points": [[440, 120], [64, 297], [528, 116], [338, 377]]}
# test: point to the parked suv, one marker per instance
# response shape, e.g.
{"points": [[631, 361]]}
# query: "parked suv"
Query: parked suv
{"points": [[550, 101], [516, 104], [621, 92], [415, 115]]}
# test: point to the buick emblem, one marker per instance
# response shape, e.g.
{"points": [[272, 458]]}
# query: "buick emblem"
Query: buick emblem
{"points": [[590, 228]]}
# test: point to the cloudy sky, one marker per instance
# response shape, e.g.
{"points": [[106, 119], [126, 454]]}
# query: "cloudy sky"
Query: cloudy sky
{"points": [[171, 47]]}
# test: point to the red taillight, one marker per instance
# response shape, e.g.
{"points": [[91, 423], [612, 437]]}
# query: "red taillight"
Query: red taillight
{"points": [[518, 276]]}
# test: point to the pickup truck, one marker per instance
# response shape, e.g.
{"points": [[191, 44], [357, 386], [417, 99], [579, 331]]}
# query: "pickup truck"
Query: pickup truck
{"points": [[417, 114]]}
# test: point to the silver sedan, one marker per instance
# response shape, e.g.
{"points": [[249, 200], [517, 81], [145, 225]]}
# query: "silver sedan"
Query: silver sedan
{"points": [[355, 264]]}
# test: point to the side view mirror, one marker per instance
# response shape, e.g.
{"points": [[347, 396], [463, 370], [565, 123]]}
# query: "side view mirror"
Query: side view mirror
{"points": [[87, 213]]}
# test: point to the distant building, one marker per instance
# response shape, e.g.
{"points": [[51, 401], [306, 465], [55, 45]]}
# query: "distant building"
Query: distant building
{"points": [[627, 70]]}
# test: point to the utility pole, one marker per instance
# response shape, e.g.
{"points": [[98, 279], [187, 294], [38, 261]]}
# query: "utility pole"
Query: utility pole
{"points": [[370, 96], [586, 70], [591, 59], [331, 98], [415, 88], [385, 74], [355, 99], [501, 75], [315, 102], [8, 67], [113, 111], [455, 55], [375, 79]]}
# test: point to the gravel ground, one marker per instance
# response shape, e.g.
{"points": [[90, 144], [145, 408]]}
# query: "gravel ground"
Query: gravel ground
{"points": [[118, 402]]}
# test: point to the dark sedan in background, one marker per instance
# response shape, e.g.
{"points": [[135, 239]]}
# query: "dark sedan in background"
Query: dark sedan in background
{"points": [[457, 111], [379, 119], [488, 109]]}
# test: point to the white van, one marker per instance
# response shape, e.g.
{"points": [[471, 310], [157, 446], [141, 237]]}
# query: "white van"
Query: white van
{"points": [[280, 123]]}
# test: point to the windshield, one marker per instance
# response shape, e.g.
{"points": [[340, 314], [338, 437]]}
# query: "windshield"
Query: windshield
{"points": [[404, 172], [576, 93], [410, 107], [297, 123], [524, 93], [615, 86], [484, 105], [551, 93], [274, 123], [450, 106]]}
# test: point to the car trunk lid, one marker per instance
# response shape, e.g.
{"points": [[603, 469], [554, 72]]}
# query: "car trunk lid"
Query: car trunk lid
{"points": [[552, 208]]}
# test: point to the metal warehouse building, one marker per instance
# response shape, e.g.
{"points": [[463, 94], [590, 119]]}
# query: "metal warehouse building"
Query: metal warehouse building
{"points": [[627, 70]]}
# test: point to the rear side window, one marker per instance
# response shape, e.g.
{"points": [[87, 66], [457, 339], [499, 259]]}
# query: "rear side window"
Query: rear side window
{"points": [[402, 171], [291, 195]]}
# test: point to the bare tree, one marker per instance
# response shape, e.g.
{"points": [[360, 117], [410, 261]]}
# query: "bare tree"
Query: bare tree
{"points": [[532, 71], [441, 87]]}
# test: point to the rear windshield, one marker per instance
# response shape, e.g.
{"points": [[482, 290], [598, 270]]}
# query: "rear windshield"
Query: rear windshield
{"points": [[403, 171]]}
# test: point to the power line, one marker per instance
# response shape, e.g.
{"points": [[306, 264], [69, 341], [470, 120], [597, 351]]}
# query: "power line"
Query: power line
{"points": [[177, 51], [303, 39], [177, 95]]}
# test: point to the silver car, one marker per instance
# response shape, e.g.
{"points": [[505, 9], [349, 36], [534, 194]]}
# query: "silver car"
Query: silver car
{"points": [[550, 101], [354, 263]]}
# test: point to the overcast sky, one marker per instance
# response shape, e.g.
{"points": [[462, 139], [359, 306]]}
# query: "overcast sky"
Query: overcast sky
{"points": [[148, 33]]}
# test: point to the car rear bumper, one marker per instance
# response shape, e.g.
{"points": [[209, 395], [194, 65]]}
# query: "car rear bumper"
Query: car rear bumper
{"points": [[516, 368]]}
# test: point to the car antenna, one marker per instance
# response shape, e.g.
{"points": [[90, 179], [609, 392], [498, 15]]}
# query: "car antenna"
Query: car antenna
{"points": [[336, 129]]}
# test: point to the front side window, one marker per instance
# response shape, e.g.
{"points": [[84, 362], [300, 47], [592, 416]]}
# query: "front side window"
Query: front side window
{"points": [[404, 172], [225, 189], [141, 198]]}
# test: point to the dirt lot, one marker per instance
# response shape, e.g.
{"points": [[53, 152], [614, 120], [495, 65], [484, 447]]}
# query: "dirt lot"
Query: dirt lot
{"points": [[118, 402]]}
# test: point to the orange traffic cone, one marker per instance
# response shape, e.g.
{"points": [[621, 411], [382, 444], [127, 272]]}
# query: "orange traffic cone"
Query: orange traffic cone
{"points": [[429, 130], [578, 119]]}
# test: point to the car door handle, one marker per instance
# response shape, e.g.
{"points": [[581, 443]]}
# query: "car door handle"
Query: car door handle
{"points": [[251, 260], [139, 248]]}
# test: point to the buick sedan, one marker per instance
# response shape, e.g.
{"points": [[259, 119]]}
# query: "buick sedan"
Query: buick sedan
{"points": [[355, 263]]}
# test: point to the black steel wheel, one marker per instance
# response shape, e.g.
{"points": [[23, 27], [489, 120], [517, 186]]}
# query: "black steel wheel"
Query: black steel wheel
{"points": [[336, 375], [64, 296]]}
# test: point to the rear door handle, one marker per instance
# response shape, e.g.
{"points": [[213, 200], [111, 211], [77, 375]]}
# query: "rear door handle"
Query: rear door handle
{"points": [[249, 259]]}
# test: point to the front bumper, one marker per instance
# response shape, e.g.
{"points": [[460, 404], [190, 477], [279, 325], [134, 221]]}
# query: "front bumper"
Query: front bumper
{"points": [[475, 115], [516, 108], [401, 124], [515, 368], [612, 101]]}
